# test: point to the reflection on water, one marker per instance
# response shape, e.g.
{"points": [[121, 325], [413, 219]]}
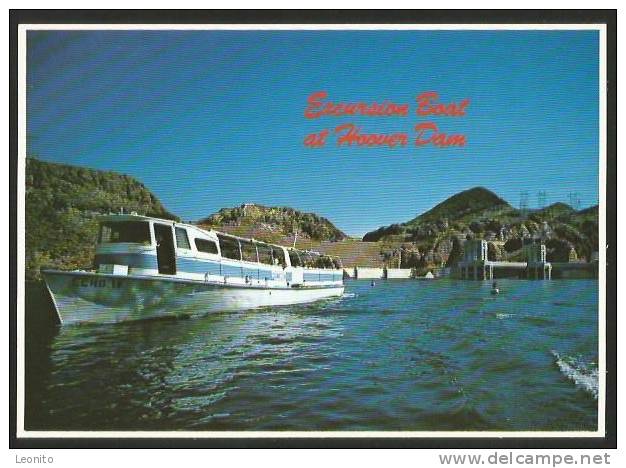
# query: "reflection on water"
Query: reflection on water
{"points": [[405, 355]]}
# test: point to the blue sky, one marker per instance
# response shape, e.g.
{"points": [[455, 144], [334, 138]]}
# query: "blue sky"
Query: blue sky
{"points": [[209, 119]]}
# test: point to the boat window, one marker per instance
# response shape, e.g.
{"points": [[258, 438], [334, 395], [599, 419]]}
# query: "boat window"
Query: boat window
{"points": [[265, 254], [136, 232], [307, 259], [206, 246], [279, 256], [229, 247], [182, 241], [324, 261], [248, 251], [294, 258]]}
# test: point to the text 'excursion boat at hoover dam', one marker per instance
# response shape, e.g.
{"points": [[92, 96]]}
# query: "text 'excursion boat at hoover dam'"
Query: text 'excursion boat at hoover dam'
{"points": [[147, 268]]}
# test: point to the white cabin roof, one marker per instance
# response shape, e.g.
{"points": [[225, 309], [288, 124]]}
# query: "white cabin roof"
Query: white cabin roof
{"points": [[136, 217], [113, 217]]}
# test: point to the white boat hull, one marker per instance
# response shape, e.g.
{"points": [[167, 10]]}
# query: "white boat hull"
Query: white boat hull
{"points": [[100, 298]]}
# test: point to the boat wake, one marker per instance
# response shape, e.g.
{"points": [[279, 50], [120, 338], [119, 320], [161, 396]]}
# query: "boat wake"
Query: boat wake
{"points": [[582, 374], [348, 295]]}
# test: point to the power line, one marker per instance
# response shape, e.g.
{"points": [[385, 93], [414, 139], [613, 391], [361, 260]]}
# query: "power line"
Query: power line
{"points": [[523, 201]]}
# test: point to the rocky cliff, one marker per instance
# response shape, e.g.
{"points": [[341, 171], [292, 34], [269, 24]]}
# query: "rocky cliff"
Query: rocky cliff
{"points": [[273, 224]]}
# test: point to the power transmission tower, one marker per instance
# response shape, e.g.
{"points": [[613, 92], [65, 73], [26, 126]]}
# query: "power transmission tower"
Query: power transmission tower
{"points": [[574, 200], [523, 202], [541, 199]]}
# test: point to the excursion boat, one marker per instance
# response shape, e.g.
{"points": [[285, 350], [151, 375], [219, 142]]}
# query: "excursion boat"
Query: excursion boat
{"points": [[147, 267]]}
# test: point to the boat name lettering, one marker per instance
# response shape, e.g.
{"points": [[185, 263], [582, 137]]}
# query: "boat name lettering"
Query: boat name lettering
{"points": [[97, 282]]}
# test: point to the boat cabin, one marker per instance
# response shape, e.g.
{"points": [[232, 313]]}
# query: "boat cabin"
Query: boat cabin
{"points": [[141, 245]]}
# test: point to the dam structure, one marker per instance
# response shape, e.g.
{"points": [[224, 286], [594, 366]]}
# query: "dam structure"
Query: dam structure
{"points": [[378, 273], [476, 264]]}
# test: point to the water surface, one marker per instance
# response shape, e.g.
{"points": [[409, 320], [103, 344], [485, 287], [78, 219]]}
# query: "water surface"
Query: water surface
{"points": [[403, 355]]}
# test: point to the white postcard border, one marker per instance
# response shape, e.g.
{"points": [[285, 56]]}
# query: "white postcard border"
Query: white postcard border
{"points": [[22, 122]]}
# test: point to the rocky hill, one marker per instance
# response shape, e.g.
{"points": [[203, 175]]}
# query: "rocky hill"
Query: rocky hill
{"points": [[273, 224], [62, 203], [436, 237], [464, 205]]}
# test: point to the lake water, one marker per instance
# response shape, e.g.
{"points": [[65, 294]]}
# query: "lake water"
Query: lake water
{"points": [[403, 355]]}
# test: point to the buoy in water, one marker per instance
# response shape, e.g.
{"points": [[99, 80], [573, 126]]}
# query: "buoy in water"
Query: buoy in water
{"points": [[373, 283], [494, 289]]}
